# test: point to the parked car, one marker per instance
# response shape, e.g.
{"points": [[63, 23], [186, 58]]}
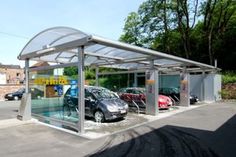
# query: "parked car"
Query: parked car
{"points": [[17, 95], [174, 93], [35, 94], [138, 96], [100, 103], [193, 99]]}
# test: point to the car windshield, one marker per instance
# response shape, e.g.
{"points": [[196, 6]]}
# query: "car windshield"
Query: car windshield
{"points": [[21, 90], [103, 93], [176, 90], [142, 90]]}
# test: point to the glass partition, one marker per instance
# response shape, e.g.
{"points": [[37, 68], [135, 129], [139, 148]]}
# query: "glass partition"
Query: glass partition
{"points": [[54, 98]]}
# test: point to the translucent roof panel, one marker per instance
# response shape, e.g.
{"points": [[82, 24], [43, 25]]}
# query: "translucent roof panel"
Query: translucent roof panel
{"points": [[62, 45], [52, 37], [166, 62], [107, 51]]}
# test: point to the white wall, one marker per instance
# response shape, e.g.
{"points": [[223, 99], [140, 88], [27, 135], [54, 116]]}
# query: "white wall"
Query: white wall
{"points": [[3, 78], [196, 86], [217, 87], [207, 87]]}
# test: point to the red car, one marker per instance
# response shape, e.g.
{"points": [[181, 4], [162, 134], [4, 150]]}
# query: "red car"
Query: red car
{"points": [[138, 96]]}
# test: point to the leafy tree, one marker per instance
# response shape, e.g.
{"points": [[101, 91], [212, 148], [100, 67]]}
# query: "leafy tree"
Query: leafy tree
{"points": [[73, 72], [217, 15], [131, 30], [205, 27], [186, 21]]}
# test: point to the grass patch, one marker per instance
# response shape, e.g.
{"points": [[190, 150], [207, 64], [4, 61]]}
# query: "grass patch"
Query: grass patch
{"points": [[229, 77]]}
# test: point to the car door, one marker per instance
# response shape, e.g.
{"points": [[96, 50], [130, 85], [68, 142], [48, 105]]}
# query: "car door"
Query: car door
{"points": [[129, 95], [136, 95], [71, 99], [90, 103]]}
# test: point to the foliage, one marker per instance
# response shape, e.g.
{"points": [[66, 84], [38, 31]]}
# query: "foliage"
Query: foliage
{"points": [[229, 77], [73, 72], [200, 30], [89, 74], [229, 85], [113, 82], [91, 82], [132, 26]]}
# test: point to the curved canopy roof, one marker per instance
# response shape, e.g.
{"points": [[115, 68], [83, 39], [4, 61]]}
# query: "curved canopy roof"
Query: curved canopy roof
{"points": [[61, 45]]}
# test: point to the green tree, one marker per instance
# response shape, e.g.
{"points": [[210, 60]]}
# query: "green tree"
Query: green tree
{"points": [[217, 15], [159, 23], [186, 11], [73, 72], [156, 22], [131, 30], [205, 28]]}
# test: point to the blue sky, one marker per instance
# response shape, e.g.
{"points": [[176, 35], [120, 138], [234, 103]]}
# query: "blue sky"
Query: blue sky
{"points": [[22, 19]]}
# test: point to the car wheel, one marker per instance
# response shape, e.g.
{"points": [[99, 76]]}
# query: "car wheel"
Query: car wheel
{"points": [[99, 116], [16, 98]]}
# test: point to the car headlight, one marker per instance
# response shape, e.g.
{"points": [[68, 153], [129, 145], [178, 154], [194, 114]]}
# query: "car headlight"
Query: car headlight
{"points": [[162, 100], [112, 108], [9, 94], [126, 106]]}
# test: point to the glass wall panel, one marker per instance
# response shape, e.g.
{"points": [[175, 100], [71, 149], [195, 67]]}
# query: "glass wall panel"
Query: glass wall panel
{"points": [[54, 97]]}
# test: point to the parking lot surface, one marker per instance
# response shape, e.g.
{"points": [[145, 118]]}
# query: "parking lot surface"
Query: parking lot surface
{"points": [[204, 131], [8, 109]]}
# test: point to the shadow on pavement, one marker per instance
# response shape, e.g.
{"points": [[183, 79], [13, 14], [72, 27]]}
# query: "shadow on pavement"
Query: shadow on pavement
{"points": [[173, 141]]}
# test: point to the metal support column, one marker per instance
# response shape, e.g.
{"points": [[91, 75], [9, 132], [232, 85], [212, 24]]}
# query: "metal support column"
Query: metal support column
{"points": [[24, 112], [152, 90], [97, 77], [135, 80], [27, 76], [81, 107], [128, 79], [184, 88], [203, 86]]}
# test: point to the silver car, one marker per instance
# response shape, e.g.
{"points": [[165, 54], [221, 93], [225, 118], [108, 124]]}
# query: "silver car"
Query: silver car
{"points": [[100, 103]]}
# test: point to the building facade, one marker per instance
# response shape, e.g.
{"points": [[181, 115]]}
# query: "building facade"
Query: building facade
{"points": [[11, 74], [11, 79]]}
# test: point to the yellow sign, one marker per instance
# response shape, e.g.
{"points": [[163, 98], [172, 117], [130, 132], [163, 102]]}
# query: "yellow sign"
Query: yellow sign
{"points": [[61, 80], [150, 82]]}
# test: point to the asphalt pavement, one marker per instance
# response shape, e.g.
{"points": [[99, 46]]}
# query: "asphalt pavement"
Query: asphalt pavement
{"points": [[204, 131], [9, 109]]}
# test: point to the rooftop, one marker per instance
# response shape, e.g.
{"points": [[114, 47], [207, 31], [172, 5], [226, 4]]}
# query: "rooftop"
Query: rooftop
{"points": [[61, 45], [5, 66]]}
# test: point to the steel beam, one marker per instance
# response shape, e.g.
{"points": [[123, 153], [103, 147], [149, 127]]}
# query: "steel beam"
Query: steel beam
{"points": [[27, 76], [152, 90], [97, 76], [56, 49], [81, 106], [184, 88]]}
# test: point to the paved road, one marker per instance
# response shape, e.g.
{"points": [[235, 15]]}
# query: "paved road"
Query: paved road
{"points": [[206, 131], [8, 109]]}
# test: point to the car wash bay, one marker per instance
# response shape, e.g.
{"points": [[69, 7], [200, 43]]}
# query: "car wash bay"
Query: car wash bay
{"points": [[66, 47]]}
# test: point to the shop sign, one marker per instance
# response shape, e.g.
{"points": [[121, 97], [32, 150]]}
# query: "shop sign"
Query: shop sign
{"points": [[61, 80]]}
